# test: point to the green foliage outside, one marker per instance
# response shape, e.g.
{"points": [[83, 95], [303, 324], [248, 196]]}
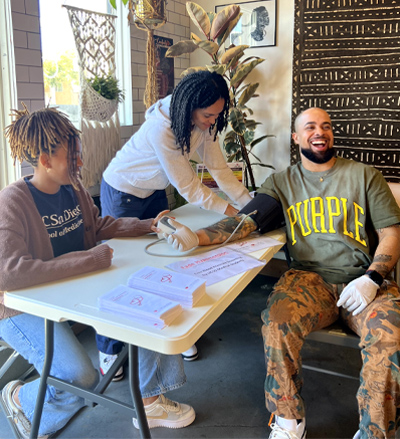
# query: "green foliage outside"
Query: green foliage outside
{"points": [[57, 73], [215, 29]]}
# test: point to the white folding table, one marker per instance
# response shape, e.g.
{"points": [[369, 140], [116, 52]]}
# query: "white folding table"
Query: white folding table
{"points": [[75, 299]]}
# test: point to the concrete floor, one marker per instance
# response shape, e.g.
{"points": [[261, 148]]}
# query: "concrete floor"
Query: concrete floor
{"points": [[225, 385]]}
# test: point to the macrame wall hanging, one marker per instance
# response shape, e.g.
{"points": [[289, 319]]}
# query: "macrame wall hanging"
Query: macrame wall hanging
{"points": [[94, 35], [149, 15]]}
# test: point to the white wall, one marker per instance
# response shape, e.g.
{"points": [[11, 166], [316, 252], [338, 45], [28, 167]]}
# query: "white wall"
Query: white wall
{"points": [[273, 106]]}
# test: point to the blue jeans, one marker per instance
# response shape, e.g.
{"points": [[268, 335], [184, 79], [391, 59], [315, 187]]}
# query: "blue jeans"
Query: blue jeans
{"points": [[158, 373], [120, 204], [25, 333]]}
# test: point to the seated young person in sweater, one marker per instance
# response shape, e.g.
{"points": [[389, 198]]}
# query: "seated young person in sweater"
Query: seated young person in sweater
{"points": [[49, 227], [343, 232]]}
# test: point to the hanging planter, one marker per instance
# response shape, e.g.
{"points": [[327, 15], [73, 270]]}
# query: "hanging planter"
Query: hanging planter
{"points": [[100, 98], [148, 15]]}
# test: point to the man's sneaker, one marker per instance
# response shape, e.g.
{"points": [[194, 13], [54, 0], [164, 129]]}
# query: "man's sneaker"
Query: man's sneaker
{"points": [[191, 354], [357, 435], [21, 424], [105, 362], [280, 432], [166, 413]]}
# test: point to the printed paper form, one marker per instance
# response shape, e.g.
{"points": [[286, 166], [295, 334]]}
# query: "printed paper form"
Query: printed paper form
{"points": [[216, 265], [253, 244]]}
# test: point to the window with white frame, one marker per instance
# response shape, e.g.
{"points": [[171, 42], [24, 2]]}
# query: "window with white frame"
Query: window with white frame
{"points": [[8, 93], [60, 59]]}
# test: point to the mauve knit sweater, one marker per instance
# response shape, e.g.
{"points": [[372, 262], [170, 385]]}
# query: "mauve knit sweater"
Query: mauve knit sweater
{"points": [[26, 254]]}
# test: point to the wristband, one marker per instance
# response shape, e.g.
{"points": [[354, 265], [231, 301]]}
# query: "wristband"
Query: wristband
{"points": [[375, 277]]}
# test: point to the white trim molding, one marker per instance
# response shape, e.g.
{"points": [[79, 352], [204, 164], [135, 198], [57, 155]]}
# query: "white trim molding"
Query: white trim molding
{"points": [[8, 93]]}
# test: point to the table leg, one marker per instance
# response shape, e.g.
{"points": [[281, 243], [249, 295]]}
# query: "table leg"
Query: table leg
{"points": [[48, 359], [135, 391]]}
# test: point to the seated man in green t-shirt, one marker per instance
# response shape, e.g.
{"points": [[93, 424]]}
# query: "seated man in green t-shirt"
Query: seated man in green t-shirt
{"points": [[343, 233]]}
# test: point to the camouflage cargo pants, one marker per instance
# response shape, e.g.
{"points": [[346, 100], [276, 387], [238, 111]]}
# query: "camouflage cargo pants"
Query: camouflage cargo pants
{"points": [[301, 303]]}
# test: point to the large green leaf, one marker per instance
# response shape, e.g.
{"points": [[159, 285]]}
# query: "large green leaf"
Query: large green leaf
{"points": [[248, 93], [242, 88], [236, 121], [243, 71], [232, 52], [263, 165], [231, 147], [245, 109], [252, 124], [196, 39], [230, 136], [260, 139], [252, 153], [181, 48], [211, 16], [208, 46], [233, 63], [246, 60], [218, 68], [199, 17], [237, 157], [222, 20], [193, 70], [221, 39], [248, 137]]}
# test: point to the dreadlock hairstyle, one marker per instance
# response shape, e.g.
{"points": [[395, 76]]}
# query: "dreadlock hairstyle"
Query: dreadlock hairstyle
{"points": [[42, 132], [197, 90]]}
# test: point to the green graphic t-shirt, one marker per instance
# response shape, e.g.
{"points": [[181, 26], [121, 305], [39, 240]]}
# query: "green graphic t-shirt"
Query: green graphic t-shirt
{"points": [[331, 216]]}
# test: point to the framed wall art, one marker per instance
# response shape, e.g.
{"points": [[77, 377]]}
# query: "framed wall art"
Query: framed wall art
{"points": [[165, 66], [257, 27]]}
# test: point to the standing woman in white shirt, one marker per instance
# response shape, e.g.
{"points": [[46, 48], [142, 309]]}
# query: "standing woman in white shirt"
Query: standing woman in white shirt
{"points": [[158, 154]]}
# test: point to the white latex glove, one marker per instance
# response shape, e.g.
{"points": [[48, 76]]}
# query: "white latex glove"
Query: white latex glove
{"points": [[183, 239], [358, 294]]}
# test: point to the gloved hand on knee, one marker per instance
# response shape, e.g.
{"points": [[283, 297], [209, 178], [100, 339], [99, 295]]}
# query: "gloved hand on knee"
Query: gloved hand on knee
{"points": [[358, 294], [183, 239]]}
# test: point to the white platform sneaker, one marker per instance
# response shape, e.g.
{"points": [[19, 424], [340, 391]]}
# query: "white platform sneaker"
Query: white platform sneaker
{"points": [[287, 429]]}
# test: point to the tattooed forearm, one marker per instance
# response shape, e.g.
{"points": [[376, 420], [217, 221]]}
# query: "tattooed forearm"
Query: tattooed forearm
{"points": [[388, 251], [220, 232], [381, 264], [382, 258], [382, 269]]}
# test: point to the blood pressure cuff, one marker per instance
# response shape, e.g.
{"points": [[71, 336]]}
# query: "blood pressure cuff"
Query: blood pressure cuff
{"points": [[269, 214]]}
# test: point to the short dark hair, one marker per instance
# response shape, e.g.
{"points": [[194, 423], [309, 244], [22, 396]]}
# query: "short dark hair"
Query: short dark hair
{"points": [[197, 90], [42, 132]]}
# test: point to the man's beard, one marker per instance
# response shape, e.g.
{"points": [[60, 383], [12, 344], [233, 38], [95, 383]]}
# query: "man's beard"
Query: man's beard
{"points": [[318, 157]]}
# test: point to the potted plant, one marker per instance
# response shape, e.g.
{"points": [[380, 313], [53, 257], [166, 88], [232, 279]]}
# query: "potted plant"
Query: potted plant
{"points": [[100, 98], [107, 86], [240, 140]]}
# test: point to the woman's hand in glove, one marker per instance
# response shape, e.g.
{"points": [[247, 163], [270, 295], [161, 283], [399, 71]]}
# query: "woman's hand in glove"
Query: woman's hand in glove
{"points": [[183, 239], [358, 294]]}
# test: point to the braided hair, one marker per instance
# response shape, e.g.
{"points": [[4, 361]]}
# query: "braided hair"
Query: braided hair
{"points": [[197, 90], [42, 132]]}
